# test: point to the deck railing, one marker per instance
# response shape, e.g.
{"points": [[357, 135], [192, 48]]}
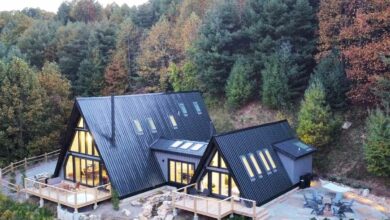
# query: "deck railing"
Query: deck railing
{"points": [[25, 163], [213, 207], [72, 198]]}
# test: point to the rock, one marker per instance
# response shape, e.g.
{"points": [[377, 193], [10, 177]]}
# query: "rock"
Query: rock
{"points": [[135, 203], [141, 217], [346, 125], [169, 217], [126, 212], [365, 192], [166, 202]]}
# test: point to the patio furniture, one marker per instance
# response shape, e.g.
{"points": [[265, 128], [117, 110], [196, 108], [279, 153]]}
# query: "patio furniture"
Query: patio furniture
{"points": [[348, 206], [317, 209], [337, 200], [54, 181], [317, 197], [205, 192], [306, 204], [192, 191], [339, 211]]}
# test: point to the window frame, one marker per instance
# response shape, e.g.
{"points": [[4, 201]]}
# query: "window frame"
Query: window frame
{"points": [[175, 162], [138, 127], [152, 125], [197, 107], [264, 161], [183, 109], [255, 164], [173, 121], [270, 160], [247, 167]]}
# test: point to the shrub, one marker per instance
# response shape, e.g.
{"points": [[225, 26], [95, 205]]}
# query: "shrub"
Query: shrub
{"points": [[315, 120], [115, 199], [377, 145]]}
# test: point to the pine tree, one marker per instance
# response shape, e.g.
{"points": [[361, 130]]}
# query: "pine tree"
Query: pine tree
{"points": [[330, 71], [183, 78], [315, 122], [377, 145], [240, 86]]}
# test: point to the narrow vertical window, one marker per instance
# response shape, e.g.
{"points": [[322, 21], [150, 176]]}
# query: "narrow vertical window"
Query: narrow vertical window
{"points": [[173, 121], [270, 159], [255, 164], [247, 166], [152, 126], [264, 161], [138, 127], [80, 124], [183, 109], [197, 108]]}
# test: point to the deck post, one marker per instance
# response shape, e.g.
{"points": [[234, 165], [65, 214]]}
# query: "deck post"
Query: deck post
{"points": [[219, 210], [195, 206], [45, 157], [41, 202], [174, 211], [25, 164], [254, 209], [12, 167], [95, 205]]}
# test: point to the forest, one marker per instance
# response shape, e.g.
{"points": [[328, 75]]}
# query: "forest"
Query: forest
{"points": [[318, 63]]}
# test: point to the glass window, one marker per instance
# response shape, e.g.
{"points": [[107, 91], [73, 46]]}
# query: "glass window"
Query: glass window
{"points": [[270, 159], [204, 184], [235, 190], [197, 108], [180, 172], [224, 184], [264, 161], [214, 161], [75, 144], [80, 124], [173, 121], [185, 173], [223, 164], [176, 143], [186, 145], [82, 141], [138, 127], [247, 166], [255, 164], [197, 146], [152, 126], [89, 144], [105, 178], [172, 171], [95, 151], [215, 182], [69, 169], [77, 171], [183, 109]]}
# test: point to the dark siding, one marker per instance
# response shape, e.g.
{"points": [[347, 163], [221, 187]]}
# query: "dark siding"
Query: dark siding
{"points": [[130, 163]]}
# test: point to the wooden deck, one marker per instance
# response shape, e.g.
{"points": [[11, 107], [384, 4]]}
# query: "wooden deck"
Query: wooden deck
{"points": [[76, 199], [215, 208]]}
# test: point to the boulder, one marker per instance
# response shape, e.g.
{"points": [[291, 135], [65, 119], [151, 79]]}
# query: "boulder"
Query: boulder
{"points": [[169, 217], [126, 212], [346, 125], [136, 203], [365, 192]]}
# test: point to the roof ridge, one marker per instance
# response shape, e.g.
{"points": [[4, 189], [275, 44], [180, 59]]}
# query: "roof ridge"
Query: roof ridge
{"points": [[140, 94], [250, 128]]}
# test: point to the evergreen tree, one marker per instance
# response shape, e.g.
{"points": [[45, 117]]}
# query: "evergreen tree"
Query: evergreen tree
{"points": [[276, 85], [220, 38], [377, 145], [315, 122], [240, 86], [183, 78], [63, 13], [330, 71]]}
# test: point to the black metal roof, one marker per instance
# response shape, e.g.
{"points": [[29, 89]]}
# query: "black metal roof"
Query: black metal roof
{"points": [[294, 148], [232, 145], [131, 165], [181, 147]]}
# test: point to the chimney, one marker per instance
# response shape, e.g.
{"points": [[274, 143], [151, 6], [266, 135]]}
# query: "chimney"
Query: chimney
{"points": [[113, 119]]}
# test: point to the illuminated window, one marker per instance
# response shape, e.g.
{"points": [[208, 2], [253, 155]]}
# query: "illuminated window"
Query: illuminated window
{"points": [[255, 164], [152, 126], [270, 159], [80, 124], [173, 121], [69, 169], [138, 127], [247, 166], [264, 161], [197, 108], [183, 109], [214, 161], [180, 172]]}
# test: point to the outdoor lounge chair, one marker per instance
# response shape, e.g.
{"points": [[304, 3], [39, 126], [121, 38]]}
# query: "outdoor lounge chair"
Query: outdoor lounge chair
{"points": [[192, 191], [206, 192], [337, 200], [348, 205], [317, 209], [339, 211], [306, 204], [317, 197]]}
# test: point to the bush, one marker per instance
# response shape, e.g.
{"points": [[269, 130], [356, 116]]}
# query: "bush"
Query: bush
{"points": [[377, 145], [115, 199], [240, 85], [10, 210], [315, 120]]}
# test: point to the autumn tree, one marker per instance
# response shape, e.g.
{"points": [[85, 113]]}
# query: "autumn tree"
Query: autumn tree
{"points": [[115, 76], [183, 78], [86, 11]]}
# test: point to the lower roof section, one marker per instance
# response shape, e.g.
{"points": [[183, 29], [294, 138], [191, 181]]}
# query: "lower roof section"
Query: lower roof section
{"points": [[181, 147], [294, 148]]}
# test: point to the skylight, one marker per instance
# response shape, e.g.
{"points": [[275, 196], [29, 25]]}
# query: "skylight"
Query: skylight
{"points": [[173, 121], [270, 158], [302, 145], [138, 127], [264, 161], [255, 164], [152, 126], [176, 143], [186, 145], [197, 146], [247, 166], [183, 109], [197, 108]]}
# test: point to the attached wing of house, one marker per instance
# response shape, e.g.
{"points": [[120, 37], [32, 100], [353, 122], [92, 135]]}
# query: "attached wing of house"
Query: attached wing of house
{"points": [[93, 154]]}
